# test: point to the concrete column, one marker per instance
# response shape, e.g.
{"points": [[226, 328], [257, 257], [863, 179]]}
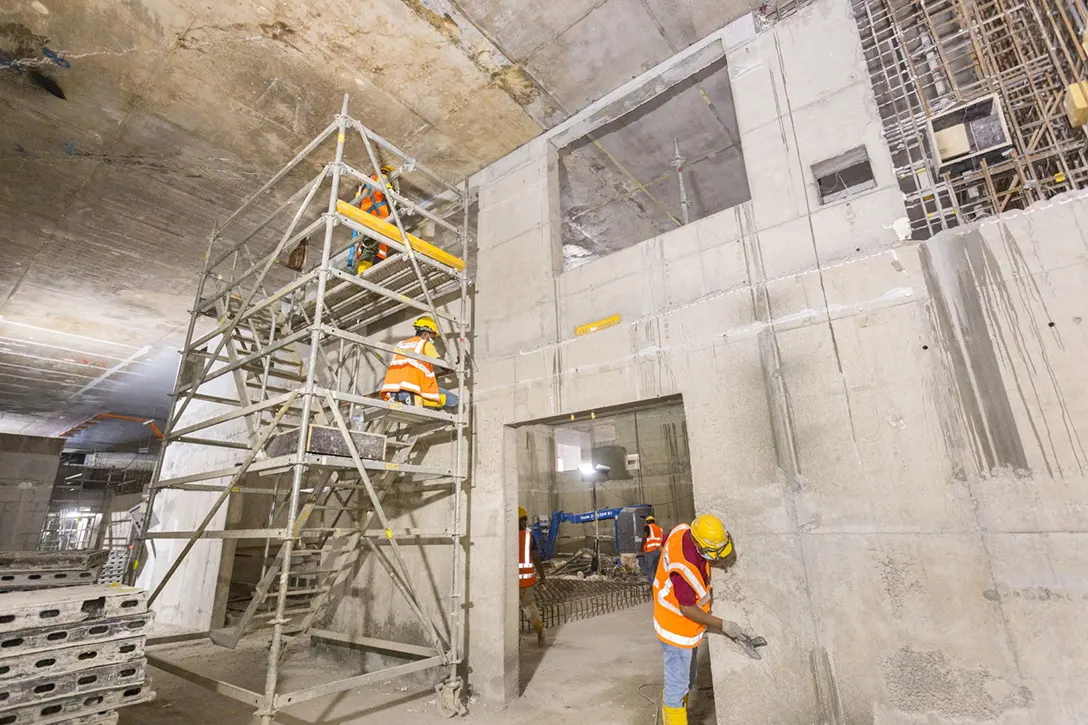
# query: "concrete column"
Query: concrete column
{"points": [[28, 469], [188, 600]]}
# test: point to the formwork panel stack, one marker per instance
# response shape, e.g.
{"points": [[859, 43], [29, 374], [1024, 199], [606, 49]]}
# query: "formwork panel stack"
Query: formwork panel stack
{"points": [[72, 655]]}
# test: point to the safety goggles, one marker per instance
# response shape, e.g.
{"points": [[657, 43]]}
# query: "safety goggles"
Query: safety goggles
{"points": [[717, 552]]}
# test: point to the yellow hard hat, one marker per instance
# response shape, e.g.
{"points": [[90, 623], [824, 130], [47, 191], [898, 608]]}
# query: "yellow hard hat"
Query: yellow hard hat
{"points": [[650, 518], [427, 323], [387, 169], [711, 537], [522, 513]]}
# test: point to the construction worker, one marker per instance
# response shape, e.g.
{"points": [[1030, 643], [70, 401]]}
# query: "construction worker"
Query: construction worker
{"points": [[682, 603], [652, 539], [365, 253], [412, 381], [530, 571]]}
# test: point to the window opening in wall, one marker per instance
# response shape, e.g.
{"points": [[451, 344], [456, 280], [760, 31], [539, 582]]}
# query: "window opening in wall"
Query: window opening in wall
{"points": [[623, 465], [618, 184], [844, 175]]}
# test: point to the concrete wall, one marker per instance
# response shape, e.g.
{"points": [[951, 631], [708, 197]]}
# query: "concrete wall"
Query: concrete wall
{"points": [[28, 468], [890, 430], [189, 599]]}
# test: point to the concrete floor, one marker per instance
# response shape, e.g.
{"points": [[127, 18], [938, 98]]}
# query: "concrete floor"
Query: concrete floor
{"points": [[591, 671]]}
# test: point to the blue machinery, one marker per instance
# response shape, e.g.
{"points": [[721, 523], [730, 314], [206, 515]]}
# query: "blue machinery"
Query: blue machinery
{"points": [[627, 526]]}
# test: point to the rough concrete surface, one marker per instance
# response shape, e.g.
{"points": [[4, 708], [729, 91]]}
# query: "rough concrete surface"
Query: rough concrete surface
{"points": [[189, 600], [129, 128], [28, 469], [891, 430]]}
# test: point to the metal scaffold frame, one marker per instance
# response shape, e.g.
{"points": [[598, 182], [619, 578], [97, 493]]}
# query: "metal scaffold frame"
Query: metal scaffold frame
{"points": [[321, 505]]}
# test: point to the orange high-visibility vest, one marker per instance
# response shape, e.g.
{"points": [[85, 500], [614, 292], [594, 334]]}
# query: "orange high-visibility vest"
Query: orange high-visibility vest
{"points": [[653, 541], [526, 570], [409, 375], [374, 202], [673, 627]]}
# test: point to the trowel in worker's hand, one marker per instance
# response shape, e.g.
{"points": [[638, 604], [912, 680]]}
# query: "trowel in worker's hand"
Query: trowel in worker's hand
{"points": [[750, 645]]}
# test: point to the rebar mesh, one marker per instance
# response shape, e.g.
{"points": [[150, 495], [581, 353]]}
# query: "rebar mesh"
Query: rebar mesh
{"points": [[567, 600]]}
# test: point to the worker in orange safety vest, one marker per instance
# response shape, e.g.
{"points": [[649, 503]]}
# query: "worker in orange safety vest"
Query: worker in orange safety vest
{"points": [[365, 253], [652, 539], [412, 381], [530, 571], [682, 604]]}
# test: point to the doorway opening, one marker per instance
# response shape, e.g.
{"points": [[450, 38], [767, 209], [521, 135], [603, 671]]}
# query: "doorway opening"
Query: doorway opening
{"points": [[587, 483]]}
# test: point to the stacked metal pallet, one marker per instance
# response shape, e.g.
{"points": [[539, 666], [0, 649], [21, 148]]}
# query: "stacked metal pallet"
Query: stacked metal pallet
{"points": [[26, 570], [113, 570], [72, 655]]}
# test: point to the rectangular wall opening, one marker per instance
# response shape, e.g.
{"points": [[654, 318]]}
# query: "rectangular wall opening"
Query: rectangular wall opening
{"points": [[618, 185], [845, 175], [622, 464]]}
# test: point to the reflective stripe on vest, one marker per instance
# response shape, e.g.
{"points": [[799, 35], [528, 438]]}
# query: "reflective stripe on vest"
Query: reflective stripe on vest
{"points": [[653, 541], [526, 570], [671, 626], [411, 375]]}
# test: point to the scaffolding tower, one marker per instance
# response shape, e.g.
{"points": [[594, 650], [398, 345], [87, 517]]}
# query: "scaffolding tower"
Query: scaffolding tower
{"points": [[321, 451]]}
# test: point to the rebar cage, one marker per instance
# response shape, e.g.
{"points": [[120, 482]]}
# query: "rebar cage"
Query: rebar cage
{"points": [[931, 58], [319, 451]]}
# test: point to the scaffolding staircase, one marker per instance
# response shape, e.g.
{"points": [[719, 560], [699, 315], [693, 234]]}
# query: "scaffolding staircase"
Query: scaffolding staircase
{"points": [[321, 452]]}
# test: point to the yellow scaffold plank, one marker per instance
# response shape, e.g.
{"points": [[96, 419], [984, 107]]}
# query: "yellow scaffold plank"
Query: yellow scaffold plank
{"points": [[390, 230]]}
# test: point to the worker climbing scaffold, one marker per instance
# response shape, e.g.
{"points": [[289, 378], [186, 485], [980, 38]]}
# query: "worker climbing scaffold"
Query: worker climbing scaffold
{"points": [[365, 252]]}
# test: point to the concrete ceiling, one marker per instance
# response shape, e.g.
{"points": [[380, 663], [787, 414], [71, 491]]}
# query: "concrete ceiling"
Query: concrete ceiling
{"points": [[131, 126]]}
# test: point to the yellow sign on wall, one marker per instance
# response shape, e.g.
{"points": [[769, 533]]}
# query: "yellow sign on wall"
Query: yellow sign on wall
{"points": [[596, 326]]}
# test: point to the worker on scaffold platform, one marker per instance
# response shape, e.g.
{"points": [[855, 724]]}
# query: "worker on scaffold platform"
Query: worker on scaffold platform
{"points": [[413, 382], [366, 252]]}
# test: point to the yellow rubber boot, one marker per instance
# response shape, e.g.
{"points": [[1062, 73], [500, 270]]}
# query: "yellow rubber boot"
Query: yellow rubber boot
{"points": [[674, 715]]}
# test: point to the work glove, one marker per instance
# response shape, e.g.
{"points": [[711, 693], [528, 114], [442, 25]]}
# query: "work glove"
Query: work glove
{"points": [[733, 630]]}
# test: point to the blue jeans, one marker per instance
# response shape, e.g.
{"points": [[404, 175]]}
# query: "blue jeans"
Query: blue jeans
{"points": [[681, 666], [406, 398], [649, 564]]}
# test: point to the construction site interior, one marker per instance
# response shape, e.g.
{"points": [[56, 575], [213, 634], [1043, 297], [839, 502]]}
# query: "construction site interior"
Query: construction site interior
{"points": [[818, 268]]}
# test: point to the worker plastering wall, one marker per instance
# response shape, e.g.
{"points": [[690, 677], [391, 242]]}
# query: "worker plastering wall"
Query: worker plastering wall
{"points": [[891, 430]]}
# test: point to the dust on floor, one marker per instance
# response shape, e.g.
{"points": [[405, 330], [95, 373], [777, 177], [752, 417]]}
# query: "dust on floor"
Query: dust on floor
{"points": [[603, 670]]}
